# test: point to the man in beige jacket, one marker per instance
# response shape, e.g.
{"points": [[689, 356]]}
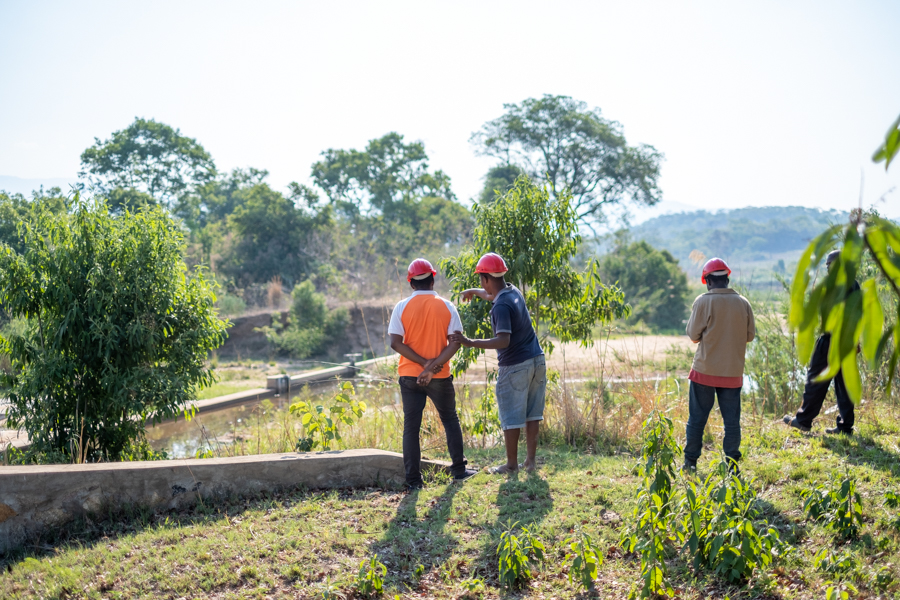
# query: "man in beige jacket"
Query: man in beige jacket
{"points": [[722, 323]]}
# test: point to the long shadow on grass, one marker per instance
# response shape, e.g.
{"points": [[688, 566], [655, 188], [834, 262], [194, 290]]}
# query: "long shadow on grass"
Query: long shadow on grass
{"points": [[86, 530], [411, 541], [859, 449], [524, 499]]}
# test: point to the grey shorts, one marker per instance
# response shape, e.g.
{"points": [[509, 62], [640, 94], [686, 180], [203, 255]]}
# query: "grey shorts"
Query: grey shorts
{"points": [[520, 392]]}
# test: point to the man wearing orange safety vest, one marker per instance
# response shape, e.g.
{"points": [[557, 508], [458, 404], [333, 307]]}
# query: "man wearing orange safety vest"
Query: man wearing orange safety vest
{"points": [[419, 328], [722, 324], [522, 376]]}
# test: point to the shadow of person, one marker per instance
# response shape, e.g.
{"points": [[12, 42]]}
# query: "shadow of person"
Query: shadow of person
{"points": [[864, 449], [523, 500], [411, 540]]}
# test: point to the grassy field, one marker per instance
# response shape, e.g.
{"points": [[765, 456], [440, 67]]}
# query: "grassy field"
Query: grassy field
{"points": [[437, 542]]}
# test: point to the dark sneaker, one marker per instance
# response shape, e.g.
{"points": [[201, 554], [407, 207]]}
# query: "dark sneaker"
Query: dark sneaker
{"points": [[793, 422], [688, 467], [836, 431], [414, 486], [465, 475]]}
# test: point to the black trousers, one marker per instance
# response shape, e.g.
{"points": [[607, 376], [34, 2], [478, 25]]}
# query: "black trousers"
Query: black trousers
{"points": [[815, 391], [443, 395]]}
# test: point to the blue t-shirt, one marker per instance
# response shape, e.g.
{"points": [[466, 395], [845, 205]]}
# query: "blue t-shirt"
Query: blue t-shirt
{"points": [[509, 315]]}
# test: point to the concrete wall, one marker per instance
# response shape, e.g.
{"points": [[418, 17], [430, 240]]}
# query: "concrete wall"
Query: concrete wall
{"points": [[35, 498]]}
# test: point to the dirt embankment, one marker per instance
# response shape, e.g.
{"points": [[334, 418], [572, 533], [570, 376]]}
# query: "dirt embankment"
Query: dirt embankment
{"points": [[367, 333]]}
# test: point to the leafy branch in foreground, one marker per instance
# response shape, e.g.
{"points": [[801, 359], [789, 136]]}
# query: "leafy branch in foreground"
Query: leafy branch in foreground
{"points": [[854, 317]]}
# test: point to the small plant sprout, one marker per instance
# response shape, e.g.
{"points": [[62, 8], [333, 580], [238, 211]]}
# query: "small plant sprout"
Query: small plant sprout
{"points": [[370, 580], [321, 429], [473, 588], [837, 505], [516, 553], [584, 559]]}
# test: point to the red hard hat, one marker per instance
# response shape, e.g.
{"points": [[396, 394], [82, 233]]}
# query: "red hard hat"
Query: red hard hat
{"points": [[491, 264], [419, 269], [714, 266]]}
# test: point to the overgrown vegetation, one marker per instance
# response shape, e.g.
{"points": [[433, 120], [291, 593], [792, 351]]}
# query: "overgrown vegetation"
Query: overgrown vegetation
{"points": [[114, 331]]}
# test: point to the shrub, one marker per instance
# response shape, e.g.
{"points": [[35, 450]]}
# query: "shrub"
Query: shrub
{"points": [[311, 327], [516, 553], [837, 505], [585, 560], [118, 331], [322, 429], [232, 306], [721, 527]]}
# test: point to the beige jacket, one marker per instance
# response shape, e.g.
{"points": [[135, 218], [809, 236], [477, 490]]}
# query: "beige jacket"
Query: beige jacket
{"points": [[722, 321]]}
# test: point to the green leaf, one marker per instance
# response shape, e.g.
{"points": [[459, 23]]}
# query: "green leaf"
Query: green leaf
{"points": [[873, 321]]}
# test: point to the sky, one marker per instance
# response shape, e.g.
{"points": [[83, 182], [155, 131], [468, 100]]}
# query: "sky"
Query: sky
{"points": [[753, 104]]}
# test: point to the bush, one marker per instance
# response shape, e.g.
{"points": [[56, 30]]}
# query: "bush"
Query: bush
{"points": [[837, 505], [652, 281], [117, 333], [311, 326], [231, 306]]}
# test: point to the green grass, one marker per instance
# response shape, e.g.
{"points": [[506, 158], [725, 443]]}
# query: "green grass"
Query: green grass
{"points": [[290, 544], [224, 388]]}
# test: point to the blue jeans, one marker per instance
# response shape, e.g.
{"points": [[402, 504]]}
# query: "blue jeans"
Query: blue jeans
{"points": [[521, 391], [702, 399]]}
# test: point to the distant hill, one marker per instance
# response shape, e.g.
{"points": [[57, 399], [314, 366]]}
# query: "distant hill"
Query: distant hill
{"points": [[752, 240]]}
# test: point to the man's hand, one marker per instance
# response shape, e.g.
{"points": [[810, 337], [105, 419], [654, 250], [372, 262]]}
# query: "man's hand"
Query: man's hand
{"points": [[470, 293], [424, 377], [457, 337], [433, 366]]}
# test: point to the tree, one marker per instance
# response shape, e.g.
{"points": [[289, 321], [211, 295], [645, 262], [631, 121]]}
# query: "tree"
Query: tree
{"points": [[15, 209], [498, 181], [855, 318], [273, 236], [385, 178], [118, 330], [559, 138], [312, 328], [147, 162], [651, 279], [537, 235]]}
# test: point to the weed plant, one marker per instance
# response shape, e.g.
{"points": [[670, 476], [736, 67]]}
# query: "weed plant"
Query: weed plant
{"points": [[583, 558], [837, 505], [517, 552], [370, 580]]}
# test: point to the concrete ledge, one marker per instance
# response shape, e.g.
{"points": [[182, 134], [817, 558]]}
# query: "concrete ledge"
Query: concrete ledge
{"points": [[34, 498]]}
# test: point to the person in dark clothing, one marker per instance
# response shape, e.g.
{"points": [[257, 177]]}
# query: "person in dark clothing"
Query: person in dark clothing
{"points": [[815, 391]]}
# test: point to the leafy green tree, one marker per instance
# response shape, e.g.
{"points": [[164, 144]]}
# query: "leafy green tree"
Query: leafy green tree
{"points": [[118, 331], [385, 178], [652, 281], [855, 318], [576, 149], [312, 328], [272, 236], [147, 162], [498, 181], [16, 209], [537, 235]]}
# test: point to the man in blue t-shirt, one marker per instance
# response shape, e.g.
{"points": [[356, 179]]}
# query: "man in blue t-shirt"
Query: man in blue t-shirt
{"points": [[522, 378]]}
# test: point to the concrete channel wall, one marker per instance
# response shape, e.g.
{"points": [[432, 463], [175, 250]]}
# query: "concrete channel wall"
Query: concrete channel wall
{"points": [[36, 498]]}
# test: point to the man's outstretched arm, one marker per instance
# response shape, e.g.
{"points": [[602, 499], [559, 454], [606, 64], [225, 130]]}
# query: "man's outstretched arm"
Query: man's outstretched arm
{"points": [[498, 342]]}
